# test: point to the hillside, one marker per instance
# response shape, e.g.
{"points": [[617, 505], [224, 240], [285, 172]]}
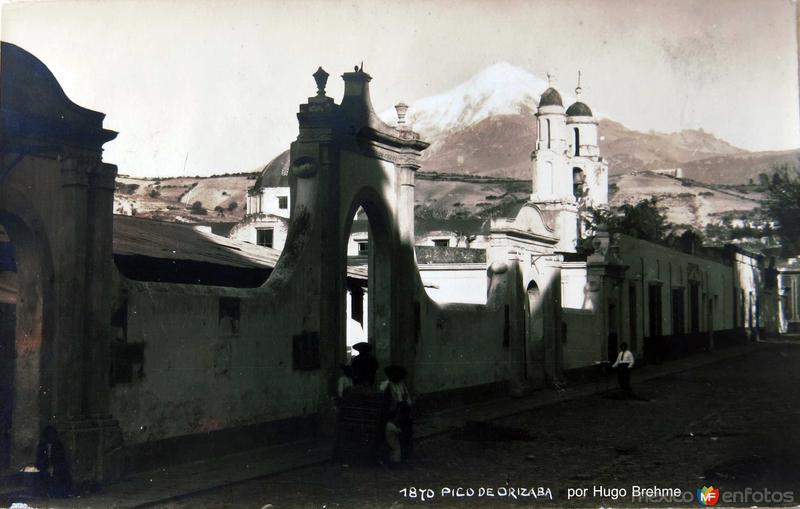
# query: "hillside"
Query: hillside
{"points": [[171, 199], [684, 202], [739, 168], [501, 145], [627, 150], [438, 195]]}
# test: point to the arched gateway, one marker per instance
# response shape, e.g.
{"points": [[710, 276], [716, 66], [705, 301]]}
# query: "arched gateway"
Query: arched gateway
{"points": [[56, 198], [346, 158]]}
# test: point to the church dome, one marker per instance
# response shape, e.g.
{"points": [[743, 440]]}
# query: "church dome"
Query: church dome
{"points": [[579, 109], [550, 97], [274, 174]]}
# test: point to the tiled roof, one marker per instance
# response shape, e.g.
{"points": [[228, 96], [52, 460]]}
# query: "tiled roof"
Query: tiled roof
{"points": [[135, 236]]}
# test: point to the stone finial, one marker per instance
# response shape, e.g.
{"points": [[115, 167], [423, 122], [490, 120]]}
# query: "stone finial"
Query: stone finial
{"points": [[578, 89], [601, 244], [401, 108], [321, 77], [550, 79]]}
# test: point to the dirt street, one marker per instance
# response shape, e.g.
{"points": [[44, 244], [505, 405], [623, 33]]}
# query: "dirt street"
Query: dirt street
{"points": [[732, 424]]}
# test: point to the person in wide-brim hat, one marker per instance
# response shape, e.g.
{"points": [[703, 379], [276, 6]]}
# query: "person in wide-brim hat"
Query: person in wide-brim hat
{"points": [[364, 365]]}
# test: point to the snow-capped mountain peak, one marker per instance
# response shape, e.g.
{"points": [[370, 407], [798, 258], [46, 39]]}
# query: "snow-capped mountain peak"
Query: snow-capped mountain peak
{"points": [[500, 89]]}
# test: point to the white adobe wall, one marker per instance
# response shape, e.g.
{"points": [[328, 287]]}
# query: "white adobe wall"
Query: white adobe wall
{"points": [[667, 269], [353, 241], [247, 230], [573, 287], [461, 347], [266, 202], [581, 346], [200, 377], [651, 263], [447, 283]]}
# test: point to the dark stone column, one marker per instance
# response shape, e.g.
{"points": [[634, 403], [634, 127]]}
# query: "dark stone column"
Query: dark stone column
{"points": [[70, 280], [99, 262]]}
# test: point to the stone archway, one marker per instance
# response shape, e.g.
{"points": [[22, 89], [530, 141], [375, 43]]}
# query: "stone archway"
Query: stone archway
{"points": [[379, 270], [535, 331], [344, 158], [28, 353]]}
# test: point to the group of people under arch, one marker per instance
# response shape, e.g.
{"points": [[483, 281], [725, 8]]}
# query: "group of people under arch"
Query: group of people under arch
{"points": [[395, 423]]}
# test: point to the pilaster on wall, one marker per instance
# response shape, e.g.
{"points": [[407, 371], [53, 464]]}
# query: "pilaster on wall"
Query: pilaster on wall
{"points": [[405, 207], [605, 274], [554, 333], [71, 279], [314, 185], [99, 262], [81, 347]]}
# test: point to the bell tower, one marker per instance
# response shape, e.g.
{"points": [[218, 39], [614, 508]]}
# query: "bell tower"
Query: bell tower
{"points": [[553, 190], [550, 182], [589, 171]]}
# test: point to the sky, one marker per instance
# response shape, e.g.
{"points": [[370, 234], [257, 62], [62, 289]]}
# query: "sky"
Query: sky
{"points": [[213, 86]]}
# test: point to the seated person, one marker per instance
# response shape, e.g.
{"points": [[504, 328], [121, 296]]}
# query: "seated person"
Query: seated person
{"points": [[53, 478]]}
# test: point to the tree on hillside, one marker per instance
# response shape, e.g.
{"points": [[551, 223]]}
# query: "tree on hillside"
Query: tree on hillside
{"points": [[783, 205], [197, 208], [642, 220]]}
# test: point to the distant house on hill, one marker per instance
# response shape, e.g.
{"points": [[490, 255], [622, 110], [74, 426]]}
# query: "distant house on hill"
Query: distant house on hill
{"points": [[669, 172]]}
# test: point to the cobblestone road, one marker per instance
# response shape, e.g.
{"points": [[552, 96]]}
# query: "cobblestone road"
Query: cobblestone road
{"points": [[733, 424]]}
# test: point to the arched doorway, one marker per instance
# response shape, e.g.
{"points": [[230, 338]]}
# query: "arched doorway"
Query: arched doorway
{"points": [[368, 249], [356, 287], [24, 391], [8, 324], [535, 331]]}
